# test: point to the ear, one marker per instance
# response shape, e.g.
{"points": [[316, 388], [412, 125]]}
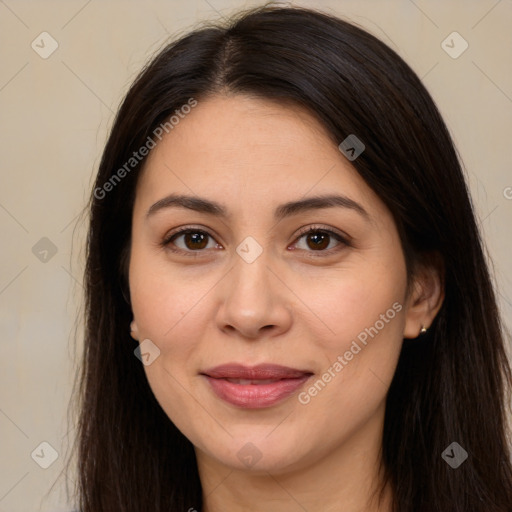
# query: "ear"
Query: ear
{"points": [[426, 295], [134, 330]]}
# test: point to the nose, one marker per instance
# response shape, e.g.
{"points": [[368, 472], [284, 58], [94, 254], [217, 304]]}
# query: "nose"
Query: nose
{"points": [[254, 302]]}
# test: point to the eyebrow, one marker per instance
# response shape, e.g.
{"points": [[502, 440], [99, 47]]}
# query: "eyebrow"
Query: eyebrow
{"points": [[203, 205]]}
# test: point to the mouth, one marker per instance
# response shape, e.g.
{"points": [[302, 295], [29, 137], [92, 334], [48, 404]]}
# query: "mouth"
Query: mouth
{"points": [[255, 387]]}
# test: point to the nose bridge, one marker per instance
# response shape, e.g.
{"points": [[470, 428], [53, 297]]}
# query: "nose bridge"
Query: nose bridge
{"points": [[251, 282], [251, 298]]}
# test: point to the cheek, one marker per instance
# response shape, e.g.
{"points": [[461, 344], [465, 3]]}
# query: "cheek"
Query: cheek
{"points": [[163, 297], [167, 311], [364, 298], [365, 312], [359, 361]]}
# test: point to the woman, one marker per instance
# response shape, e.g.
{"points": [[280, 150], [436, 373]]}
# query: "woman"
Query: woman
{"points": [[287, 302]]}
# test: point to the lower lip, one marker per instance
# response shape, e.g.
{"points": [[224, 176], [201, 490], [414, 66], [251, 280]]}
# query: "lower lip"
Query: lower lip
{"points": [[255, 396]]}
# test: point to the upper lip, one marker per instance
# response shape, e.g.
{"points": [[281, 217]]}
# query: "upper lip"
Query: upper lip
{"points": [[260, 371]]}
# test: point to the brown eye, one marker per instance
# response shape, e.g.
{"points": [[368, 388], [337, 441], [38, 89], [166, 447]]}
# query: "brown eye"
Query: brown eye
{"points": [[193, 240], [320, 240]]}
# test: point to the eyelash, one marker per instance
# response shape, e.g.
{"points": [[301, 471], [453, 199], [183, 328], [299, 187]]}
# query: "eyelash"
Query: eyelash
{"points": [[344, 240]]}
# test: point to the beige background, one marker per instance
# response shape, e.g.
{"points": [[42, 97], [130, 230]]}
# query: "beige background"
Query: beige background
{"points": [[55, 114]]}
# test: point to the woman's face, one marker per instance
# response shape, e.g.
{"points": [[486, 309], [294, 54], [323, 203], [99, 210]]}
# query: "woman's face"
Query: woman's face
{"points": [[247, 286]]}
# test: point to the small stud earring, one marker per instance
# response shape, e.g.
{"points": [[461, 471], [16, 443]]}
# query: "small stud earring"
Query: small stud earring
{"points": [[423, 329]]}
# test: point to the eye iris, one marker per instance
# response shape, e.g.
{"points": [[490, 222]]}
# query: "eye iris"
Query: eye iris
{"points": [[196, 238], [318, 244]]}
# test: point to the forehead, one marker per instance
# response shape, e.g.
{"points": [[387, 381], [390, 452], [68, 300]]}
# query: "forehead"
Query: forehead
{"points": [[245, 150]]}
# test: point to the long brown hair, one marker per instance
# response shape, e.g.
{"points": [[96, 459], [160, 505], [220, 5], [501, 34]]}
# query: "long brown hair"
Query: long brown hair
{"points": [[451, 385]]}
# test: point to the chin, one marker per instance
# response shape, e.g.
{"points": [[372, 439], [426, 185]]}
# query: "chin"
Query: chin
{"points": [[262, 455]]}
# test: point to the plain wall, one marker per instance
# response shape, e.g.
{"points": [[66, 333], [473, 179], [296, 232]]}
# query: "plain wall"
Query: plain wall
{"points": [[55, 115]]}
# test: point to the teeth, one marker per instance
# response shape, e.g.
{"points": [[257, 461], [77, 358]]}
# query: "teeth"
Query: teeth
{"points": [[244, 382]]}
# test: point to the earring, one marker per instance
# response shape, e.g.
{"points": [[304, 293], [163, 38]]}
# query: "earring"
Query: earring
{"points": [[423, 329]]}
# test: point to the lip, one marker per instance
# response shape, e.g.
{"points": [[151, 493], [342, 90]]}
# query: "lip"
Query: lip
{"points": [[279, 383]]}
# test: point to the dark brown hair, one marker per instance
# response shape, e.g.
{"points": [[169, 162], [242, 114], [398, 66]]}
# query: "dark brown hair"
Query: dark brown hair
{"points": [[452, 384]]}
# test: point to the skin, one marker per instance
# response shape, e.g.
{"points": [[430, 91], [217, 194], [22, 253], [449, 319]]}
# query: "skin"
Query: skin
{"points": [[287, 307]]}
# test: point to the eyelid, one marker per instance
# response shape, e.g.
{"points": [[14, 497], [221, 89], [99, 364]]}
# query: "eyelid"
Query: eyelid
{"points": [[320, 227], [343, 239], [181, 231]]}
